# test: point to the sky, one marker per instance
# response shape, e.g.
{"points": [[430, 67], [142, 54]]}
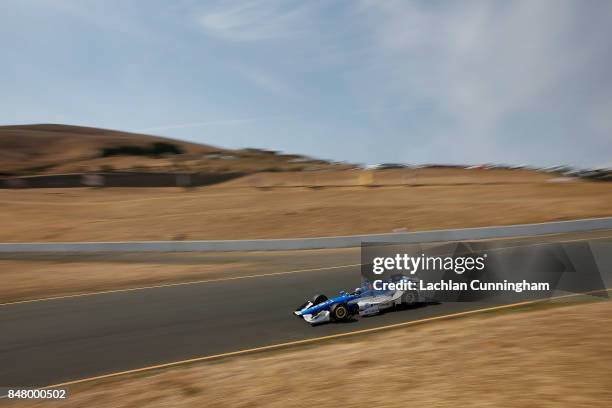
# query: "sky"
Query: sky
{"points": [[469, 82]]}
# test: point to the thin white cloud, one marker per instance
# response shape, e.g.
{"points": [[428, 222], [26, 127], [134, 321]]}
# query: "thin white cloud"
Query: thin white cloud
{"points": [[256, 20]]}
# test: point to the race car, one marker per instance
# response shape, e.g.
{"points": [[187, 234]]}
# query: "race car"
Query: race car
{"points": [[364, 301]]}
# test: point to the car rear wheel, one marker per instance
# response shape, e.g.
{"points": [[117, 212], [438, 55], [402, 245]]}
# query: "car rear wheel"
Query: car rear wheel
{"points": [[339, 312], [410, 298]]}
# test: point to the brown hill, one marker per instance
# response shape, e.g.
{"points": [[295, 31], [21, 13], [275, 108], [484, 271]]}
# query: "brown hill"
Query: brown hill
{"points": [[55, 149]]}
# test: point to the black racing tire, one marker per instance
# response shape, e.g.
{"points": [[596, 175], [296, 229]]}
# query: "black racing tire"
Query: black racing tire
{"points": [[340, 312], [410, 298], [316, 299]]}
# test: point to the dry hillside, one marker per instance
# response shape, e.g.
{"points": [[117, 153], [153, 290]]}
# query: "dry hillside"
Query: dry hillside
{"points": [[57, 149]]}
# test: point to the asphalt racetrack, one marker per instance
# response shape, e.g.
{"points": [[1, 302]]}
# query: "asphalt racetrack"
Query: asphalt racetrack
{"points": [[55, 341]]}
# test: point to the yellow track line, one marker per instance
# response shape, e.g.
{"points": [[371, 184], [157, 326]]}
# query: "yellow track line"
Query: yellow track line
{"points": [[315, 340]]}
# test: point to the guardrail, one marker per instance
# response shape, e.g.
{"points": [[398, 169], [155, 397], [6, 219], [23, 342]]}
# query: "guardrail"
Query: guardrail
{"points": [[315, 243]]}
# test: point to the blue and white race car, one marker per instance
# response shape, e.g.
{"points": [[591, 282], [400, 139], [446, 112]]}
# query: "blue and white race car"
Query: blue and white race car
{"points": [[364, 301]]}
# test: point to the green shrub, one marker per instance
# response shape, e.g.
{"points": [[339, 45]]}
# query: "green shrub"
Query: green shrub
{"points": [[156, 149]]}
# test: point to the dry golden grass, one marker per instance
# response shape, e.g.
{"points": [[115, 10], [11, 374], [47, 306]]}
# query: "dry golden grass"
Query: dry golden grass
{"points": [[558, 357], [270, 209], [405, 177]]}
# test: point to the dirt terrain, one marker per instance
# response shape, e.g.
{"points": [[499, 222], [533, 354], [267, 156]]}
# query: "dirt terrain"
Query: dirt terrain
{"points": [[559, 357], [280, 205]]}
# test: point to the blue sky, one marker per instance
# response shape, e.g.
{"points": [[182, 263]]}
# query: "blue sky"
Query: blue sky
{"points": [[363, 81]]}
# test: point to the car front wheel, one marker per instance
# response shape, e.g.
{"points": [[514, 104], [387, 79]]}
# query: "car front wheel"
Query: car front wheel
{"points": [[339, 312]]}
